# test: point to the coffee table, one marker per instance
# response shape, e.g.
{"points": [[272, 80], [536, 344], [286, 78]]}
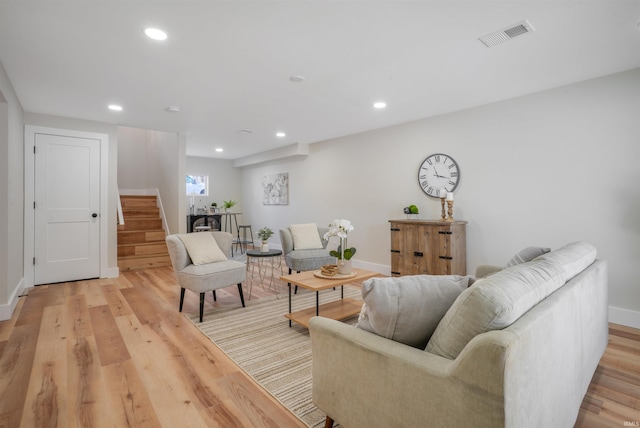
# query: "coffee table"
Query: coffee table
{"points": [[337, 310]]}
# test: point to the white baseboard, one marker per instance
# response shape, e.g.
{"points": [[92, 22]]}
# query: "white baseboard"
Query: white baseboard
{"points": [[374, 267], [113, 272], [624, 316], [6, 310]]}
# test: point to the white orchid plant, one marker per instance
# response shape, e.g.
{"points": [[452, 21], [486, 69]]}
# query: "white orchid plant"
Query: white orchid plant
{"points": [[341, 229]]}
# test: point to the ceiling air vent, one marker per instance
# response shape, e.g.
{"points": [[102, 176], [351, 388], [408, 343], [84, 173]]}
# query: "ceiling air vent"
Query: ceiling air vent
{"points": [[508, 33]]}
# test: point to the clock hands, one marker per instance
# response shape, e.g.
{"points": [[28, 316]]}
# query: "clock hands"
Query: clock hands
{"points": [[435, 171]]}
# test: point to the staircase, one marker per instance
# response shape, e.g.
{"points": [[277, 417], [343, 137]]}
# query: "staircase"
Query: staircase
{"points": [[141, 239]]}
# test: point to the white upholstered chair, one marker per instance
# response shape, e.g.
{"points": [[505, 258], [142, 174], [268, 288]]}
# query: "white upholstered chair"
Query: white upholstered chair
{"points": [[202, 277]]}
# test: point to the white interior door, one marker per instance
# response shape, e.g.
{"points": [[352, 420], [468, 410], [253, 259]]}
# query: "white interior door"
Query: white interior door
{"points": [[67, 201]]}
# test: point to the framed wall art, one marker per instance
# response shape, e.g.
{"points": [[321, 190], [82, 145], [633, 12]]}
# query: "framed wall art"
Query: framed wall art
{"points": [[276, 189]]}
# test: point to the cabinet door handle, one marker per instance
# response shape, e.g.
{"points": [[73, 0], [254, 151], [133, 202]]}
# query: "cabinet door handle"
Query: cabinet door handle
{"points": [[418, 254], [445, 232], [446, 257], [395, 251], [395, 273], [395, 229]]}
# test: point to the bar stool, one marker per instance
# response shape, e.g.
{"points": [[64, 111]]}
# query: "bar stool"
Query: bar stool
{"points": [[246, 238]]}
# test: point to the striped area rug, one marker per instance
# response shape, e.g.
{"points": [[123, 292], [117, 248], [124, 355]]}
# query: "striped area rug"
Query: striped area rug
{"points": [[258, 338]]}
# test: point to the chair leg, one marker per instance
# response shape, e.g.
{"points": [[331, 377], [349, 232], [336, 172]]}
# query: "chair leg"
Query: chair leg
{"points": [[214, 295], [201, 305], [328, 423], [181, 298], [241, 294]]}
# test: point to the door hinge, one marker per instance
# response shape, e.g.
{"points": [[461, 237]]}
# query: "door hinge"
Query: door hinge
{"points": [[34, 260], [34, 205], [34, 149]]}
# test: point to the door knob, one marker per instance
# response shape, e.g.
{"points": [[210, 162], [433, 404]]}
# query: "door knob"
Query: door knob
{"points": [[94, 215]]}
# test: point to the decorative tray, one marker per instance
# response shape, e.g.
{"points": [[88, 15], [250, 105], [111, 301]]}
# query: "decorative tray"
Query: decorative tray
{"points": [[319, 274]]}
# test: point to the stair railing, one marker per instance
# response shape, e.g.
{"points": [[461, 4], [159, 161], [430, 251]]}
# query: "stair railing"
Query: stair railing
{"points": [[120, 215], [161, 208]]}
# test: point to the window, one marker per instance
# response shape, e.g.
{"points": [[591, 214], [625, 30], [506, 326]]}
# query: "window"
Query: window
{"points": [[197, 185]]}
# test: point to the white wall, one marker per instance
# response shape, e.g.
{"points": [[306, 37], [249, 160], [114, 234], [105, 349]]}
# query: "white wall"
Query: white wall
{"points": [[150, 160], [11, 196], [544, 169]]}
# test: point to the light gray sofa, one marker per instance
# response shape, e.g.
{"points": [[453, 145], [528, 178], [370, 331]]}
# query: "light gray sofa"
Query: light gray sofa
{"points": [[533, 372]]}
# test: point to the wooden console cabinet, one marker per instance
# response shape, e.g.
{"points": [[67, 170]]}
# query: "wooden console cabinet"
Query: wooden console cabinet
{"points": [[428, 247]]}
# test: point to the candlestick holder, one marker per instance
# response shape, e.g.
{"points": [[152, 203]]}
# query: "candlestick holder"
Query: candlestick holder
{"points": [[444, 215], [449, 211]]}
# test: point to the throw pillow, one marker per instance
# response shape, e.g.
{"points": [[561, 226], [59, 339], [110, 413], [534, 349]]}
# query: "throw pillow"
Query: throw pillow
{"points": [[202, 248], [527, 255], [305, 236], [407, 309], [498, 301]]}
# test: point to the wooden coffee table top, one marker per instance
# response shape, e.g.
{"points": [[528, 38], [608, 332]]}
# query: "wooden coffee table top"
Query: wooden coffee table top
{"points": [[311, 282]]}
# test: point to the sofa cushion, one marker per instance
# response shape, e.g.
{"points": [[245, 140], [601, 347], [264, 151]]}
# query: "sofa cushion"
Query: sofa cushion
{"points": [[527, 255], [499, 300], [202, 248], [407, 309], [305, 236]]}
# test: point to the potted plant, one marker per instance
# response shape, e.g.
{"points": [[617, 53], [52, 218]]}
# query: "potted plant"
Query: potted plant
{"points": [[341, 228], [264, 234], [214, 207], [227, 205]]}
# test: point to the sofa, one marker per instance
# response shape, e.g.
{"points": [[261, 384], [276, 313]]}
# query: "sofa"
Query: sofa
{"points": [[515, 349]]}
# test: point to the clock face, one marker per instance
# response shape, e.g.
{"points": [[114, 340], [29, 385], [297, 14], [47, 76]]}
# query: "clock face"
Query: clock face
{"points": [[438, 174]]}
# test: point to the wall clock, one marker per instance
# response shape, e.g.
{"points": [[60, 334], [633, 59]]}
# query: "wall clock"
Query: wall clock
{"points": [[438, 173]]}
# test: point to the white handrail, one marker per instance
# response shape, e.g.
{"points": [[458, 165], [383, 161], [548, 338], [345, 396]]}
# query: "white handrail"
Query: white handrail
{"points": [[164, 219], [120, 215]]}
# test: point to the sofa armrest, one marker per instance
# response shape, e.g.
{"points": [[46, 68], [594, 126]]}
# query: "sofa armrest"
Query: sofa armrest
{"points": [[361, 379]]}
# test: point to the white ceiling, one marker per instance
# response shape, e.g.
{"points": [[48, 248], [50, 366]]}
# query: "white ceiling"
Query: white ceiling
{"points": [[227, 64]]}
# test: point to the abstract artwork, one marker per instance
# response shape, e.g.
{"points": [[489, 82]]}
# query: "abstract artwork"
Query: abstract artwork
{"points": [[276, 189]]}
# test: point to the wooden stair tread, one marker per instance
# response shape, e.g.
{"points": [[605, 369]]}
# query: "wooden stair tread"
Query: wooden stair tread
{"points": [[139, 244], [145, 256], [141, 239]]}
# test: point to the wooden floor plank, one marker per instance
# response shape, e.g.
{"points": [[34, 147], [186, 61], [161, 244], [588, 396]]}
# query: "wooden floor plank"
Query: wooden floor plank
{"points": [[159, 372], [16, 363], [117, 304], [129, 398], [45, 400], [111, 346]]}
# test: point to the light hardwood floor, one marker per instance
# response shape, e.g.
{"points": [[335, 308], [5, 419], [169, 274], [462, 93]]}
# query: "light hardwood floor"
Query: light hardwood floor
{"points": [[117, 353]]}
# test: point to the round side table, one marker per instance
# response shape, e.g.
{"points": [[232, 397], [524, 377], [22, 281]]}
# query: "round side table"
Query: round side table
{"points": [[263, 260]]}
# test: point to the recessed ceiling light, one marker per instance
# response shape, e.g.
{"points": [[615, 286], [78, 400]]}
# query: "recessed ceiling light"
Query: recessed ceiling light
{"points": [[245, 131], [155, 34], [219, 150], [296, 79], [280, 134], [379, 104], [115, 107], [173, 109]]}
